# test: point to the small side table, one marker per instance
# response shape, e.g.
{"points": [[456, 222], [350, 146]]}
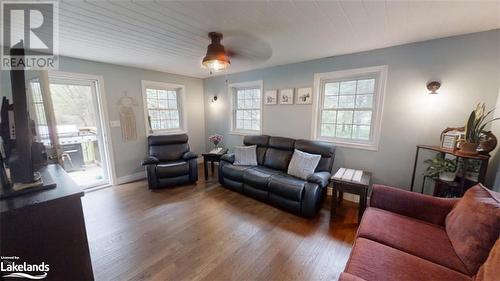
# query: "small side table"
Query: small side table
{"points": [[211, 157], [359, 188]]}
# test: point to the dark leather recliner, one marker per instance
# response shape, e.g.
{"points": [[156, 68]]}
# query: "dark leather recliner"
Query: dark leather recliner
{"points": [[269, 181], [170, 162]]}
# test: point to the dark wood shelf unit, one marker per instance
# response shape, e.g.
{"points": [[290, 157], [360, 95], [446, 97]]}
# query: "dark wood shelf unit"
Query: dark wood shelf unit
{"points": [[462, 181]]}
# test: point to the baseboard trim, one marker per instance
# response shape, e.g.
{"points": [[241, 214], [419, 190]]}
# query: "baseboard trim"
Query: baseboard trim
{"points": [[130, 178]]}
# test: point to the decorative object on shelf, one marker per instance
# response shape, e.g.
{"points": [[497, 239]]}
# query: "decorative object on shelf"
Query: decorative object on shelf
{"points": [[304, 96], [474, 130], [215, 139], [286, 96], [451, 137], [433, 86], [127, 117], [441, 168], [216, 58], [271, 97], [487, 143]]}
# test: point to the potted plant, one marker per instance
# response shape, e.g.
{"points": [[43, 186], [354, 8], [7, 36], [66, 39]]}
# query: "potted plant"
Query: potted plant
{"points": [[441, 168], [474, 129]]}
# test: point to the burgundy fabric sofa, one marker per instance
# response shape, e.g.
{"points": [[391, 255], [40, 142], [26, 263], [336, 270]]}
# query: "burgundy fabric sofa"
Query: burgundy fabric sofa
{"points": [[409, 236]]}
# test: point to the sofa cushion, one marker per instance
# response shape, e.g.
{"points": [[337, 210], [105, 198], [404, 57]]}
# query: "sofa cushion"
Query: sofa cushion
{"points": [[279, 153], [303, 164], [172, 169], [256, 179], [371, 260], [419, 238], [473, 225], [234, 172], [277, 159], [281, 143], [490, 270], [325, 149], [245, 155], [287, 186], [267, 170], [261, 141]]}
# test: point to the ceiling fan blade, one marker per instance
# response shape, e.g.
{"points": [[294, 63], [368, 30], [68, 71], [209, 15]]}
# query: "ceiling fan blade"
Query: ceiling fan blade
{"points": [[244, 47]]}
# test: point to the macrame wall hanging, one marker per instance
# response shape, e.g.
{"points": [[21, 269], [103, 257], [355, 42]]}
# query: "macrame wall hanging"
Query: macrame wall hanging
{"points": [[127, 117]]}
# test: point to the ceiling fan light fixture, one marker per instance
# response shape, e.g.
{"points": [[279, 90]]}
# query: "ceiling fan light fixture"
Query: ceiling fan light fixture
{"points": [[216, 58]]}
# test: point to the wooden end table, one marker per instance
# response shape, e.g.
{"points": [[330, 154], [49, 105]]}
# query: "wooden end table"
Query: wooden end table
{"points": [[359, 188], [212, 157]]}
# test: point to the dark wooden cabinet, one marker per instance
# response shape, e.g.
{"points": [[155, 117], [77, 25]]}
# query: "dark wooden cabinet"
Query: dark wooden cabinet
{"points": [[48, 226]]}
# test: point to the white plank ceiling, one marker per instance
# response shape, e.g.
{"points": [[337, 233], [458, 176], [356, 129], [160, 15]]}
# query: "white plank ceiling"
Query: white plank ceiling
{"points": [[172, 36]]}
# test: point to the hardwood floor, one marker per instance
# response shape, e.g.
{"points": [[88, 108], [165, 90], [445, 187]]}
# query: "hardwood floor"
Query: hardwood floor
{"points": [[206, 232]]}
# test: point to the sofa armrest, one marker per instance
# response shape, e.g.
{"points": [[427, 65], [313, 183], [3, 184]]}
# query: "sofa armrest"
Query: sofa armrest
{"points": [[312, 198], [189, 155], [151, 160], [411, 204], [228, 158], [349, 277], [321, 178]]}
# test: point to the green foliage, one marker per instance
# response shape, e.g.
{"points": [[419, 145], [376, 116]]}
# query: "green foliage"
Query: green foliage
{"points": [[477, 122], [439, 165]]}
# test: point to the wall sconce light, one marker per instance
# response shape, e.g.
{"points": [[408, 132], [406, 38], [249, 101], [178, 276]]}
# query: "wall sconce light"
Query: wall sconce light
{"points": [[433, 87], [214, 99]]}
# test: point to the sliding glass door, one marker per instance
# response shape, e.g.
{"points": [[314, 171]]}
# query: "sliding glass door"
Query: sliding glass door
{"points": [[68, 119]]}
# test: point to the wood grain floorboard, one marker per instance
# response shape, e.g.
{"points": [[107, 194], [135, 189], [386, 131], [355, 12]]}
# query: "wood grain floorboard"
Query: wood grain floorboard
{"points": [[206, 232]]}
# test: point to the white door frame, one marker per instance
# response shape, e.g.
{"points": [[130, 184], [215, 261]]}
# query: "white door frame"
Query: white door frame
{"points": [[104, 118]]}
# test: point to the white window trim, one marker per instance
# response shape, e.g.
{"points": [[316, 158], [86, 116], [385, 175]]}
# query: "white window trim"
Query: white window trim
{"points": [[230, 91], [381, 72], [182, 91]]}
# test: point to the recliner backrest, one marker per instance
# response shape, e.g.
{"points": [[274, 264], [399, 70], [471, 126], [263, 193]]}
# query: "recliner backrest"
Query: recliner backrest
{"points": [[279, 153], [169, 147], [325, 149], [261, 141]]}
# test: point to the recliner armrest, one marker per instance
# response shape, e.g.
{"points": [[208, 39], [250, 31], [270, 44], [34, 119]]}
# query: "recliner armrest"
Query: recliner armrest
{"points": [[411, 204], [228, 158], [151, 160], [189, 155], [321, 178]]}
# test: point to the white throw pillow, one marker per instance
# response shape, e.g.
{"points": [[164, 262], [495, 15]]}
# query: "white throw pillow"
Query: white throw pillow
{"points": [[303, 164], [245, 155]]}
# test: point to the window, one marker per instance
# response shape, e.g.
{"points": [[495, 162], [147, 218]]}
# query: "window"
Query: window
{"points": [[163, 104], [349, 107], [246, 105]]}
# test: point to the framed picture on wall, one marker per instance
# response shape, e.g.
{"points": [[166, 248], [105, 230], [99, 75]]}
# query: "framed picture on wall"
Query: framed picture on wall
{"points": [[271, 97], [286, 96], [304, 96]]}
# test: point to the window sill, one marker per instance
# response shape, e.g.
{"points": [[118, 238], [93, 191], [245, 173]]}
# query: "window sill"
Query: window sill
{"points": [[245, 133], [162, 133], [352, 145]]}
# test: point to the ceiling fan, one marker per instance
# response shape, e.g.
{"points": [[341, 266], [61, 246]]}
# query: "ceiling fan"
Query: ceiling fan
{"points": [[240, 48]]}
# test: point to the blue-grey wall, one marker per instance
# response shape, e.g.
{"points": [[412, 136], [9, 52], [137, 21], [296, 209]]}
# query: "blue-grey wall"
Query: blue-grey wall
{"points": [[468, 66], [119, 79]]}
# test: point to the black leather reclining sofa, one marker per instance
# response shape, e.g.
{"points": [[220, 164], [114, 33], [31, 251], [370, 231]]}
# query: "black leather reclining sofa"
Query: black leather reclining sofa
{"points": [[269, 181]]}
